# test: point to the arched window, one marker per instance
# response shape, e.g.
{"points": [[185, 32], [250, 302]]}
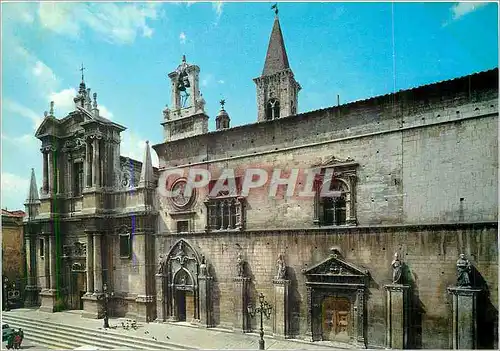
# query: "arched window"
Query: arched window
{"points": [[273, 109]]}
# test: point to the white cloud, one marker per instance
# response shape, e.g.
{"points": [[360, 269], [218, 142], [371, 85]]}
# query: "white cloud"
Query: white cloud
{"points": [[18, 12], [182, 38], [220, 81], [104, 112], [117, 23], [13, 187], [133, 146], [28, 141], [63, 101], [21, 110], [463, 8]]}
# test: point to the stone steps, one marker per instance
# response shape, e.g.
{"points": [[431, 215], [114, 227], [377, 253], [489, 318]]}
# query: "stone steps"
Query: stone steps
{"points": [[63, 336]]}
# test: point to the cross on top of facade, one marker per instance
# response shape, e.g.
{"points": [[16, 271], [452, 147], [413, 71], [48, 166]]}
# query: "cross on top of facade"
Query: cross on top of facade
{"points": [[81, 70]]}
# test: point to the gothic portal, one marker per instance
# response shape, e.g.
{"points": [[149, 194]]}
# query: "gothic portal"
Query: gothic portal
{"points": [[183, 286]]}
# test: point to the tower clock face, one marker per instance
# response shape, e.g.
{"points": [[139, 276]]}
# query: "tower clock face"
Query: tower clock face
{"points": [[179, 199]]}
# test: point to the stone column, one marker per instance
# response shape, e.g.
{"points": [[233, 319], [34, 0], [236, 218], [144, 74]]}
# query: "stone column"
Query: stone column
{"points": [[45, 172], [464, 323], [29, 269], [309, 331], [46, 257], [241, 320], [396, 316], [281, 311], [95, 164], [51, 174], [88, 175], [205, 289], [161, 310], [89, 265], [53, 259], [69, 181], [97, 263]]}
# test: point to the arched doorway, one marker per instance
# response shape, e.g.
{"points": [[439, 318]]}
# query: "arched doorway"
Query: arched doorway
{"points": [[183, 287]]}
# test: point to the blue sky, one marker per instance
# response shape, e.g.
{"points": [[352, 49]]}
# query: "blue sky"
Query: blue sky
{"points": [[129, 48]]}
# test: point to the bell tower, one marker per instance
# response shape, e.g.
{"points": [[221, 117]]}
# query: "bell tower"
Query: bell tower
{"points": [[277, 89], [187, 115]]}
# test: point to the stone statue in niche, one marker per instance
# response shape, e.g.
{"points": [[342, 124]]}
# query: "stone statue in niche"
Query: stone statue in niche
{"points": [[161, 264], [280, 263], [397, 269], [239, 265], [203, 267], [463, 271]]}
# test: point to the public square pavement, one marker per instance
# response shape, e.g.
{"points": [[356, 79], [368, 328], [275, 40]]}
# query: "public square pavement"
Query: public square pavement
{"points": [[27, 345], [181, 334]]}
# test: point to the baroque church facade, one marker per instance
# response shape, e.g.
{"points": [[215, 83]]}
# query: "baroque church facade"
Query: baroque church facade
{"points": [[417, 176]]}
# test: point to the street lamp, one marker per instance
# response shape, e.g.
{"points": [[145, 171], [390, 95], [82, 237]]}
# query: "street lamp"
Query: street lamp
{"points": [[106, 298], [265, 310], [5, 291]]}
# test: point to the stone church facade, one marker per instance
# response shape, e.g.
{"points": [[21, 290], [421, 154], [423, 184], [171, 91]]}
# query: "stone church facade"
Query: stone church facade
{"points": [[416, 173]]}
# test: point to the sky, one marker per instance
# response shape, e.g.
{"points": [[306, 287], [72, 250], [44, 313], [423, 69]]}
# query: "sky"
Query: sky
{"points": [[354, 50]]}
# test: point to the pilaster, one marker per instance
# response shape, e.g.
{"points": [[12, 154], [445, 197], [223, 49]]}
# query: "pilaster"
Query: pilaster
{"points": [[464, 317], [97, 263], [281, 311], [205, 289], [396, 316], [241, 321]]}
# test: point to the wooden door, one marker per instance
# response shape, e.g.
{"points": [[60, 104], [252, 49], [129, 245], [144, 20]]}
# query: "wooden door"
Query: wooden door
{"points": [[336, 318]]}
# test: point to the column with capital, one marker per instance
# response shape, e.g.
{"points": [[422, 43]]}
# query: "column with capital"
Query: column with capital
{"points": [[89, 264], [97, 264], [95, 164], [52, 262], [87, 169], [51, 173], [45, 175]]}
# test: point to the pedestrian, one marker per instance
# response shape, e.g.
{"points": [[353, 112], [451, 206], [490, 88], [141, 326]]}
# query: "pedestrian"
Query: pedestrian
{"points": [[10, 340]]}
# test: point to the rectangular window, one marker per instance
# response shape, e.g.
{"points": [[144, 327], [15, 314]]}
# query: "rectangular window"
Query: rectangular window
{"points": [[42, 249], [224, 214], [125, 246], [182, 226]]}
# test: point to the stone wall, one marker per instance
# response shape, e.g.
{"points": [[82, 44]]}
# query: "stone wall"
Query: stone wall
{"points": [[435, 173], [430, 253], [13, 258]]}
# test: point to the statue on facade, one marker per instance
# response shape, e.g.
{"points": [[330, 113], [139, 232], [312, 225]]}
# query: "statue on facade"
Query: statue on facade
{"points": [[161, 265], [463, 271], [203, 267], [166, 113], [239, 265], [397, 269], [280, 263]]}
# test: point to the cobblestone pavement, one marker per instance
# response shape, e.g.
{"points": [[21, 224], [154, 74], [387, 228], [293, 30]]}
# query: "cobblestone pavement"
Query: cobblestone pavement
{"points": [[182, 334]]}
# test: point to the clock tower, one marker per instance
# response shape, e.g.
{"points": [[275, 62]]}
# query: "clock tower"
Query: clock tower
{"points": [[277, 89], [187, 115]]}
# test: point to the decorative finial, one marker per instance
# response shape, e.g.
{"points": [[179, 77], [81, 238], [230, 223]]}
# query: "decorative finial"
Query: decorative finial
{"points": [[275, 8], [95, 101], [81, 69], [183, 58], [52, 108], [222, 102], [147, 142], [45, 113]]}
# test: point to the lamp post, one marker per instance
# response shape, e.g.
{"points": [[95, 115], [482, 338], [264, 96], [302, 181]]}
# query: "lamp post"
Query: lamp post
{"points": [[106, 298], [5, 292], [265, 310]]}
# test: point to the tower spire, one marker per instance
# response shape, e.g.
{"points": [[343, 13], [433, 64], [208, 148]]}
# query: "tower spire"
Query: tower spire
{"points": [[276, 58], [81, 70], [146, 179], [33, 190]]}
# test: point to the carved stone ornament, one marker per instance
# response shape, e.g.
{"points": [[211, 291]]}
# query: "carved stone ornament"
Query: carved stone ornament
{"points": [[463, 271], [77, 267], [333, 160], [203, 267], [80, 249], [162, 261], [397, 269], [240, 265], [280, 263], [181, 256]]}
